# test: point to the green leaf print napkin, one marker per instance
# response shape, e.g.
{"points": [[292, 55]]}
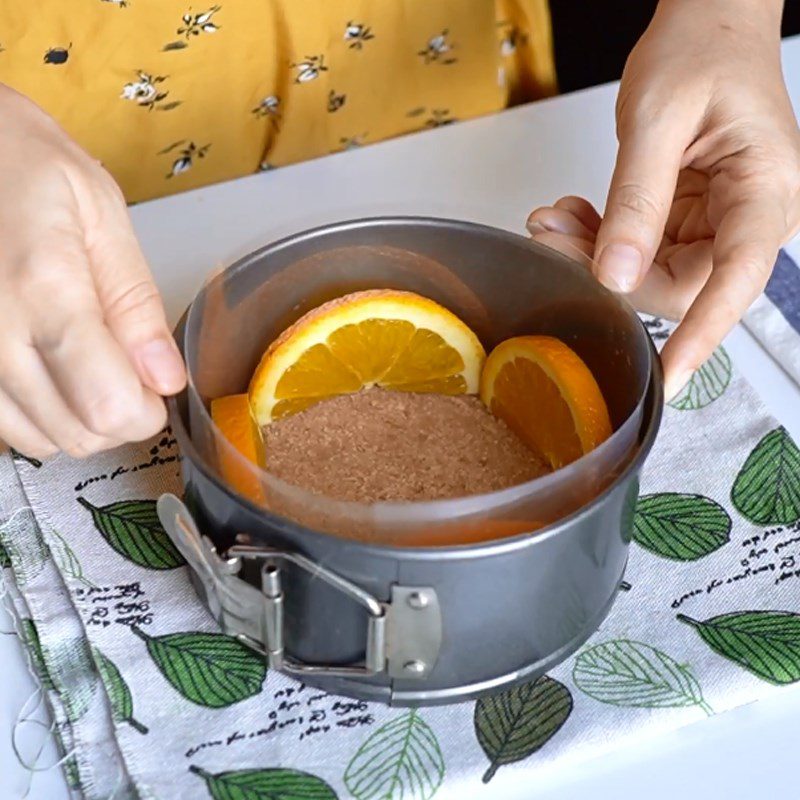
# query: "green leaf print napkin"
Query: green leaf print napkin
{"points": [[152, 701], [57, 647]]}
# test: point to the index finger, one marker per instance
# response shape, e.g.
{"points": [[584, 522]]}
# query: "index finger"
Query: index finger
{"points": [[745, 248]]}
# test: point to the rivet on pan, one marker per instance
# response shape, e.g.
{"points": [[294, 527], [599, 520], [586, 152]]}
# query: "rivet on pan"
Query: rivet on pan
{"points": [[418, 600], [233, 564], [414, 667]]}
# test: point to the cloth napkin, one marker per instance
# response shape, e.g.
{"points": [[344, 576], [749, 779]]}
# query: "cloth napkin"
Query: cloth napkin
{"points": [[774, 319], [152, 701]]}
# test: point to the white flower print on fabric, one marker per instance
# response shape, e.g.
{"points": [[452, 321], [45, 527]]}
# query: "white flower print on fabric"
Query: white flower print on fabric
{"points": [[194, 25], [512, 38], [356, 33], [186, 155], [269, 107], [439, 49], [309, 68], [145, 92], [120, 3], [142, 91]]}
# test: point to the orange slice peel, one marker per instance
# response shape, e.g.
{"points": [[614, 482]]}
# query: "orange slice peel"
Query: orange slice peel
{"points": [[232, 416], [548, 396], [391, 339]]}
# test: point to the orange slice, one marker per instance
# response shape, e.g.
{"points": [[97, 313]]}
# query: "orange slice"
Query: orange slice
{"points": [[468, 533], [545, 393], [392, 339], [232, 416]]}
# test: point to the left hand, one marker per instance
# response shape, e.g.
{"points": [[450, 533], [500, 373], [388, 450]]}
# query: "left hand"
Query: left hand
{"points": [[706, 186]]}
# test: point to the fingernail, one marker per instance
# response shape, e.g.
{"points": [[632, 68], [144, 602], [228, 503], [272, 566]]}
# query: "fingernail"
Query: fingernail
{"points": [[163, 366], [674, 385], [620, 267]]}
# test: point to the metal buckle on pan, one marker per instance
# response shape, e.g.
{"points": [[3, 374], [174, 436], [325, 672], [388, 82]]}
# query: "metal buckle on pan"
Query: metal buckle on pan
{"points": [[403, 636], [271, 585]]}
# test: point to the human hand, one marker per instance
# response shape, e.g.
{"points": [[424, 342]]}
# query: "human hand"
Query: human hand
{"points": [[706, 186], [86, 351]]}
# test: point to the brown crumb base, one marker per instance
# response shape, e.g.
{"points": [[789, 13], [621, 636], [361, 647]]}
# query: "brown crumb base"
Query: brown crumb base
{"points": [[382, 446]]}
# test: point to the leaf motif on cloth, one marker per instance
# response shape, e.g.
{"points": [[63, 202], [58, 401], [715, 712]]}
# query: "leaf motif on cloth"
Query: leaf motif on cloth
{"points": [[517, 722], [72, 774], [133, 529], [70, 764], [210, 669], [767, 643], [17, 456], [265, 784], [767, 488], [25, 549], [402, 760], [65, 558], [635, 675], [75, 676], [707, 384], [30, 637], [119, 695], [681, 527]]}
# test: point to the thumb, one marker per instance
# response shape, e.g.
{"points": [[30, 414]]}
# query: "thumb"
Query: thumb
{"points": [[132, 307], [639, 200]]}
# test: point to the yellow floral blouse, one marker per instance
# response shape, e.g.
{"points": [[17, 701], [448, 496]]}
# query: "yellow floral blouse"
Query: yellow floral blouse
{"points": [[172, 94]]}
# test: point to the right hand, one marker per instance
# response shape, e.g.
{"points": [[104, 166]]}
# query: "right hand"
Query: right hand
{"points": [[706, 186], [85, 351]]}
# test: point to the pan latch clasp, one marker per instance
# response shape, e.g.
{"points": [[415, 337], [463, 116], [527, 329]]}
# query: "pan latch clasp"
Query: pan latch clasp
{"points": [[403, 636]]}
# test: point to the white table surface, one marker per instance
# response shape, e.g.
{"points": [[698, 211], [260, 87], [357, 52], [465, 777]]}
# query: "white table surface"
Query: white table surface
{"points": [[493, 170]]}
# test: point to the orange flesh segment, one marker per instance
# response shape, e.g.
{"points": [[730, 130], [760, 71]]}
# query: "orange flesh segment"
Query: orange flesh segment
{"points": [[235, 421], [392, 339], [546, 394], [470, 532]]}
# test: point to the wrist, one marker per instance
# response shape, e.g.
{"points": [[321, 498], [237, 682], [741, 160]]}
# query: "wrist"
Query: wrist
{"points": [[729, 12]]}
